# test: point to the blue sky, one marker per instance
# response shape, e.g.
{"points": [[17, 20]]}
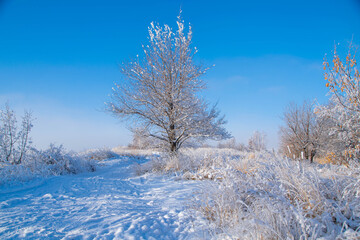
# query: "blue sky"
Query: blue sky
{"points": [[60, 59]]}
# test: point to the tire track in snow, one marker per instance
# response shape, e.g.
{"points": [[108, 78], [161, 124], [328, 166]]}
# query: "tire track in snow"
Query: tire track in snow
{"points": [[106, 204]]}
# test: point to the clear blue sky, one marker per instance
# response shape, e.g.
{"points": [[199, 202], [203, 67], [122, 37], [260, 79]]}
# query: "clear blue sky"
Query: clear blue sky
{"points": [[60, 59]]}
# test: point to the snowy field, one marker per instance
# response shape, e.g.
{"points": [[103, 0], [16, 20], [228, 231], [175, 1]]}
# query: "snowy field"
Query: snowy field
{"points": [[202, 194], [109, 203]]}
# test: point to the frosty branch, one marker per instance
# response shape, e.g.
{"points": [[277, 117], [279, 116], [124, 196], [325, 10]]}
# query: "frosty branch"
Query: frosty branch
{"points": [[14, 143], [160, 91]]}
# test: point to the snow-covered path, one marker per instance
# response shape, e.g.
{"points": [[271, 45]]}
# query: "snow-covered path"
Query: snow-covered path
{"points": [[110, 203]]}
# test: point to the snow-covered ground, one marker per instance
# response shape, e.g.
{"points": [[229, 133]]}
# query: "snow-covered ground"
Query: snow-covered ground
{"points": [[109, 203], [229, 195]]}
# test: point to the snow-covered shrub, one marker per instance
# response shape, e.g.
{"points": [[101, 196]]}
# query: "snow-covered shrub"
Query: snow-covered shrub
{"points": [[20, 162], [259, 195], [41, 163], [274, 198], [16, 173], [197, 163], [100, 154], [61, 162], [157, 163], [126, 151]]}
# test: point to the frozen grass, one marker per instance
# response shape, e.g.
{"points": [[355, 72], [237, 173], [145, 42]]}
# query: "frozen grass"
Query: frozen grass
{"points": [[57, 161], [52, 161], [244, 195], [133, 152], [264, 196], [99, 154]]}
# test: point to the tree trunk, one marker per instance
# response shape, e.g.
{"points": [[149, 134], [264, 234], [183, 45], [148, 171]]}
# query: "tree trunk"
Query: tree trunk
{"points": [[173, 147], [312, 155], [173, 143], [306, 153]]}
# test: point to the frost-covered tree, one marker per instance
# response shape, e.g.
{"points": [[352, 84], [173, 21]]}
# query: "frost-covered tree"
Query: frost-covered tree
{"points": [[343, 80], [14, 143], [303, 132], [343, 111], [232, 144], [159, 92], [257, 141], [141, 141]]}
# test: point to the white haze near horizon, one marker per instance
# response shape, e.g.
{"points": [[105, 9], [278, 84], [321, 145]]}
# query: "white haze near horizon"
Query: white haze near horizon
{"points": [[249, 98]]}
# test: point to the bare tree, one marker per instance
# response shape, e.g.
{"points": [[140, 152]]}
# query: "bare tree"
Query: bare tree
{"points": [[8, 133], [302, 134], [141, 141], [160, 91], [23, 135], [13, 143], [232, 144], [257, 141]]}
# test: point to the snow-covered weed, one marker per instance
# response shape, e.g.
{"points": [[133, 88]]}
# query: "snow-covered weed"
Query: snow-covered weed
{"points": [[259, 195], [60, 162], [133, 152], [201, 163], [156, 164], [263, 196], [267, 197], [52, 161], [99, 154]]}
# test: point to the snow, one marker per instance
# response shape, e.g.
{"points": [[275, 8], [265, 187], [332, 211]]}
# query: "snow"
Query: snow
{"points": [[229, 194], [109, 203]]}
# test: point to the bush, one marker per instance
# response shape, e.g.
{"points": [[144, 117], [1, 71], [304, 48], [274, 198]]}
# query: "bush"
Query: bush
{"points": [[99, 154], [61, 162], [259, 195], [20, 162], [281, 199], [52, 161]]}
